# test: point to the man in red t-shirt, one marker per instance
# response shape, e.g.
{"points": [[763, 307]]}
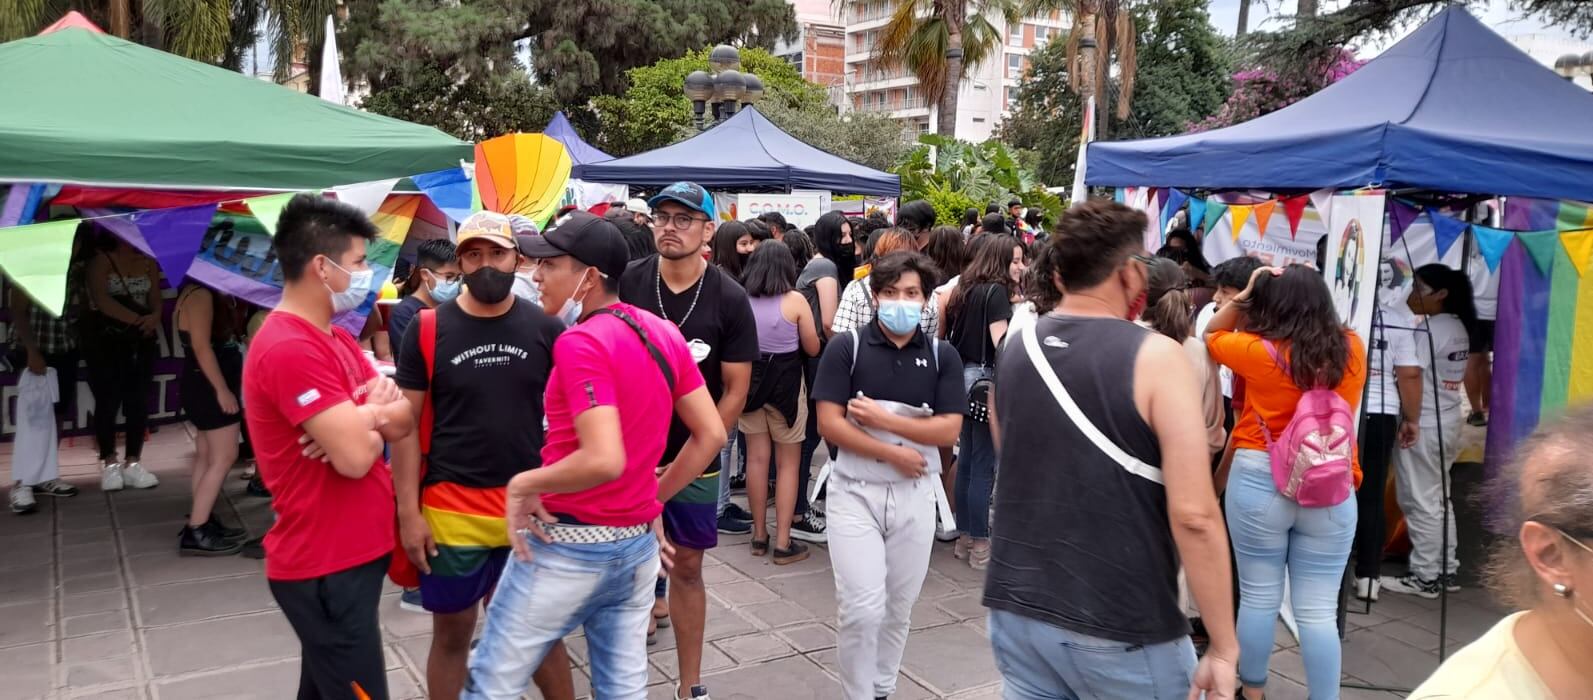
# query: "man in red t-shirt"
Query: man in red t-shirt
{"points": [[585, 526], [319, 416]]}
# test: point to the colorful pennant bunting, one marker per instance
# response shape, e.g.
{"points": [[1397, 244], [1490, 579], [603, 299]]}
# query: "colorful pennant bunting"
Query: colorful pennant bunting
{"points": [[174, 235], [1574, 216], [1320, 200], [450, 190], [1263, 215], [1491, 243], [21, 204], [1215, 208], [366, 196], [1446, 230], [1541, 246], [1175, 201], [268, 209], [1294, 210], [1120, 194], [1578, 245], [1400, 216], [1241, 212], [1197, 217], [36, 258]]}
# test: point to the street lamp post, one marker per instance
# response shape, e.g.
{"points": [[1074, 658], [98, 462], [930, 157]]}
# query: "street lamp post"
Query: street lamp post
{"points": [[723, 88]]}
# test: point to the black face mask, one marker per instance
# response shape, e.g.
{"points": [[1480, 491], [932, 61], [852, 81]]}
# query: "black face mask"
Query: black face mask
{"points": [[489, 285], [846, 255]]}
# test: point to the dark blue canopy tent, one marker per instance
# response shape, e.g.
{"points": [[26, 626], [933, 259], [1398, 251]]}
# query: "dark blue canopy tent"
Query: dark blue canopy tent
{"points": [[1453, 107], [581, 152], [745, 152]]}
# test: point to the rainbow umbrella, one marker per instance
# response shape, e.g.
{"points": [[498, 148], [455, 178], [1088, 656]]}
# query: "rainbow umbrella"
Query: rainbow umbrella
{"points": [[522, 174]]}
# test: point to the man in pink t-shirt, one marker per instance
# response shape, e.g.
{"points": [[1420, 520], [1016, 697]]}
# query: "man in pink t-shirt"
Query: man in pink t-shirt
{"points": [[585, 526]]}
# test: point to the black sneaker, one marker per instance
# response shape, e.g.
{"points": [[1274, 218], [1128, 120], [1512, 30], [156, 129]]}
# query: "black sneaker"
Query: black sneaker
{"points": [[203, 542], [791, 555], [1477, 419], [736, 512], [234, 534], [732, 526], [257, 488], [810, 529], [1411, 585], [56, 488], [738, 483], [253, 549], [1451, 582]]}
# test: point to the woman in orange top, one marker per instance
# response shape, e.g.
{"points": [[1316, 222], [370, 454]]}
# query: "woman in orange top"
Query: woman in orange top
{"points": [[1271, 533]]}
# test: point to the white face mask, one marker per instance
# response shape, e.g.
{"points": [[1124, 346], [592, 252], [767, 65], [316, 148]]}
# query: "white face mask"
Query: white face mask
{"points": [[359, 287], [570, 313], [526, 289]]}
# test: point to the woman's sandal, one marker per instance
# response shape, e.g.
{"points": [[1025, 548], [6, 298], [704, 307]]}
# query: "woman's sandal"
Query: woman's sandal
{"points": [[760, 548]]}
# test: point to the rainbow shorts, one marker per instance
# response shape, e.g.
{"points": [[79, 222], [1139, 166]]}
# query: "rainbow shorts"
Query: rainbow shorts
{"points": [[472, 537]]}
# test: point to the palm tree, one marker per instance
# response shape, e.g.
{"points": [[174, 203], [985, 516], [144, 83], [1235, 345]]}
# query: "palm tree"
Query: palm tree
{"points": [[1103, 33], [1244, 18], [938, 40]]}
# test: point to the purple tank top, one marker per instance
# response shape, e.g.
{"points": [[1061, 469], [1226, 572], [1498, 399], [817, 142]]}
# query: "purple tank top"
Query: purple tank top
{"points": [[775, 334]]}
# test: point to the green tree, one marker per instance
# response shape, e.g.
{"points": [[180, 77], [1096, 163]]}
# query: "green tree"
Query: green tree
{"points": [[938, 40], [954, 175], [1103, 37], [1184, 70], [1046, 121], [654, 112]]}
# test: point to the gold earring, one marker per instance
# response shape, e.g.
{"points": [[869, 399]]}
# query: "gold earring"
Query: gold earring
{"points": [[1562, 590]]}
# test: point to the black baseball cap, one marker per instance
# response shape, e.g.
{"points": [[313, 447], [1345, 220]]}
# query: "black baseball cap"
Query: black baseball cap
{"points": [[588, 238], [689, 194]]}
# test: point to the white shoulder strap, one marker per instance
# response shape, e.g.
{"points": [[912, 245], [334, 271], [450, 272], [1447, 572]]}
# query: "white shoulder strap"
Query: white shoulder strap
{"points": [[1031, 343]]}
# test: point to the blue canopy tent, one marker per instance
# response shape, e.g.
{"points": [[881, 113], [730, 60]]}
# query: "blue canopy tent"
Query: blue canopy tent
{"points": [[1453, 107], [581, 152], [745, 152]]}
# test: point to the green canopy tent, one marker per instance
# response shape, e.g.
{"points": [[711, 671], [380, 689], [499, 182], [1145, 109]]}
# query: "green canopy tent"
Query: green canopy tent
{"points": [[83, 107]]}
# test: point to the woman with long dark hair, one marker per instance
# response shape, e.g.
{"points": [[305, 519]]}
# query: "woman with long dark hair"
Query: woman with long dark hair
{"points": [[1289, 339], [977, 312], [947, 249], [210, 328], [775, 417], [1443, 340], [119, 328], [733, 241]]}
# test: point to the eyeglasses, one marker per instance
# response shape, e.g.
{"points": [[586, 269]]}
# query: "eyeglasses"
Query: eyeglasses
{"points": [[1575, 534], [679, 221], [1143, 258]]}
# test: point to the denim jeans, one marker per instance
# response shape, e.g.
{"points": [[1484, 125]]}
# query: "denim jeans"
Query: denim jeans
{"points": [[726, 466], [1039, 661], [606, 588], [976, 469], [1273, 536]]}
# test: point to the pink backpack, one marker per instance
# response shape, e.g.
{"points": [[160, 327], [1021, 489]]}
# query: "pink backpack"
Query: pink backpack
{"points": [[1311, 460]]}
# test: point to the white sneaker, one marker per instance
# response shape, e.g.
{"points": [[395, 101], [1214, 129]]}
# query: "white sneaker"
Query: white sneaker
{"points": [[138, 477], [1368, 588], [22, 501], [111, 477], [1411, 585]]}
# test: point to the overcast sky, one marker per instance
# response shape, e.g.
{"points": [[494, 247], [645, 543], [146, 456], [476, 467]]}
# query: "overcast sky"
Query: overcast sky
{"points": [[1497, 15]]}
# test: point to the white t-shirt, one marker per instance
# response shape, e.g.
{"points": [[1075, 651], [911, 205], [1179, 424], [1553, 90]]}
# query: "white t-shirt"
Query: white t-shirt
{"points": [[1484, 286], [1451, 347], [1393, 344], [1224, 373]]}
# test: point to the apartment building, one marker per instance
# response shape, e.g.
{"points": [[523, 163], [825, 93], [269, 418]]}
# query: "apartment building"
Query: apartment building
{"points": [[986, 94]]}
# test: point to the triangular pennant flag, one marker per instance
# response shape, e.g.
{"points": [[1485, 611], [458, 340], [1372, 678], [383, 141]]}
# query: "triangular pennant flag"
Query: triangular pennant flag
{"points": [[1175, 201], [1540, 245], [366, 196], [1197, 217], [269, 208], [1215, 208], [174, 236], [1320, 200], [450, 190], [1120, 194], [1294, 210], [1400, 216], [1491, 243], [1241, 212], [1578, 245], [1572, 216], [1446, 230], [36, 258], [1263, 215]]}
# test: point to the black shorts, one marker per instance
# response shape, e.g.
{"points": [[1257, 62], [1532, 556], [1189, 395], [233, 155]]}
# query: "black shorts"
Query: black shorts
{"points": [[335, 618], [1482, 340], [199, 398]]}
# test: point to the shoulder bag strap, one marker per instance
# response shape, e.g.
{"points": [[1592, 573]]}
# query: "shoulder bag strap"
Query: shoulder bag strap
{"points": [[428, 355], [1132, 465], [658, 355]]}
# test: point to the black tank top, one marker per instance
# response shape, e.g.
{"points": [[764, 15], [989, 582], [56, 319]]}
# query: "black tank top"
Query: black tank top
{"points": [[1080, 542]]}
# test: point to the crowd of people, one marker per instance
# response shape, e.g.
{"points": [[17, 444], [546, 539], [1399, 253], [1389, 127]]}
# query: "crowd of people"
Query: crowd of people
{"points": [[1140, 451]]}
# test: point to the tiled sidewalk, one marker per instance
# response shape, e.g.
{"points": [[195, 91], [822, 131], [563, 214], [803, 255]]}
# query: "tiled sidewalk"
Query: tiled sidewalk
{"points": [[95, 602]]}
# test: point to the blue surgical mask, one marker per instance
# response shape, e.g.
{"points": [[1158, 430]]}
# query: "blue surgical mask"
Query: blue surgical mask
{"points": [[444, 291], [570, 313], [359, 287], [900, 316]]}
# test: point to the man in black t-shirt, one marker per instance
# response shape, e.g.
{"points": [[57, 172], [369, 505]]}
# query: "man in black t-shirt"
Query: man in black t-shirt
{"points": [[715, 317], [491, 357]]}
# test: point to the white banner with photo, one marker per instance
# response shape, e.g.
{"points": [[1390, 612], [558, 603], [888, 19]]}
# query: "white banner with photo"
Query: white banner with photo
{"points": [[1354, 253], [799, 210]]}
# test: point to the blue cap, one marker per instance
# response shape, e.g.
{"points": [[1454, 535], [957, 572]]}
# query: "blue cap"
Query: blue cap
{"points": [[689, 194]]}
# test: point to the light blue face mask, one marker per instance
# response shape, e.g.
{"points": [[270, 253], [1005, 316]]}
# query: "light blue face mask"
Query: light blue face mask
{"points": [[359, 287], [444, 291], [900, 316]]}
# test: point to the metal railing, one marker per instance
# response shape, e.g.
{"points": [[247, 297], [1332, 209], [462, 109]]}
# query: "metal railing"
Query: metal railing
{"points": [[891, 105]]}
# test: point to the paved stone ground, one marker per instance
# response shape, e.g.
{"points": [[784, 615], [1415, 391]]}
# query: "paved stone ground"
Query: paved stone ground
{"points": [[95, 602]]}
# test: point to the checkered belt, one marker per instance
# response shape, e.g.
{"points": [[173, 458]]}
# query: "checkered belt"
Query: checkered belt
{"points": [[592, 534]]}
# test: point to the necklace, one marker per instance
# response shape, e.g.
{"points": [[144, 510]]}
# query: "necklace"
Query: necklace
{"points": [[658, 293]]}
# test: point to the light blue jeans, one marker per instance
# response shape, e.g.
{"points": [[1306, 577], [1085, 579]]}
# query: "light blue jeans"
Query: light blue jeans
{"points": [[606, 588], [1272, 537], [976, 469], [1039, 661]]}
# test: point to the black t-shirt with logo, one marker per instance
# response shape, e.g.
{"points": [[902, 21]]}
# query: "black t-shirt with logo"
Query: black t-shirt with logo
{"points": [[486, 391], [720, 329]]}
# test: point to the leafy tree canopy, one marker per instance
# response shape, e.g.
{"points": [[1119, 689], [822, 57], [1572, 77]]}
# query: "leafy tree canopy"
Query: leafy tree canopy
{"points": [[954, 175]]}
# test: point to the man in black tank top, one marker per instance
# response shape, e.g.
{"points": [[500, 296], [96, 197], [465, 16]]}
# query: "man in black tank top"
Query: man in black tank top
{"points": [[1082, 581]]}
